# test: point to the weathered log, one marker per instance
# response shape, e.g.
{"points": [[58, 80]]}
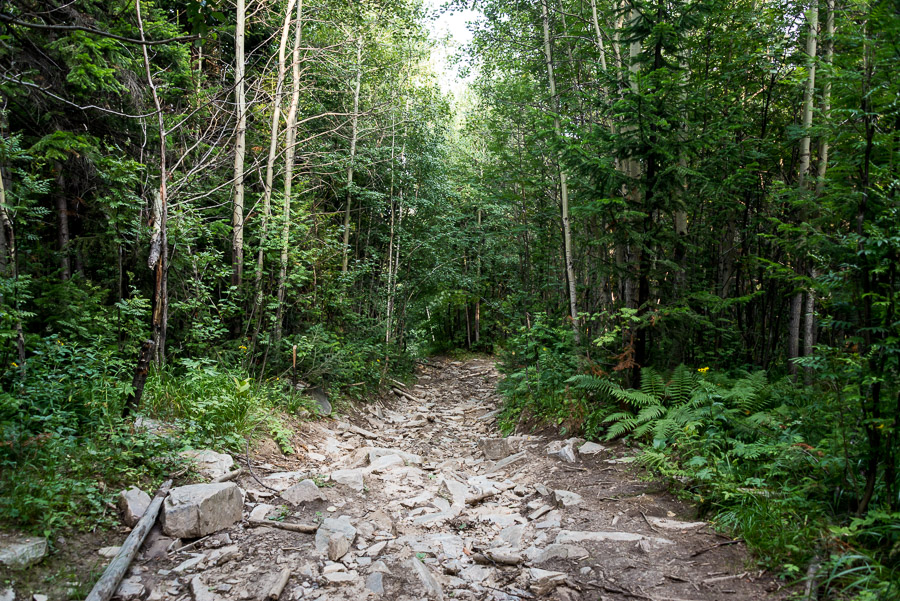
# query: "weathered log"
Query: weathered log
{"points": [[304, 528], [112, 576]]}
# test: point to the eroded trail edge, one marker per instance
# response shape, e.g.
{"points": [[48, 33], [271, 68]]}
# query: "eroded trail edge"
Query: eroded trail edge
{"points": [[419, 497]]}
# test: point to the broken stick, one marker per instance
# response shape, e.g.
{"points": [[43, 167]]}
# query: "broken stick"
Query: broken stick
{"points": [[112, 576], [229, 476], [304, 528]]}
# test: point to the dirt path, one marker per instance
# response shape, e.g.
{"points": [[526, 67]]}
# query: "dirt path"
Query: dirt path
{"points": [[419, 512]]}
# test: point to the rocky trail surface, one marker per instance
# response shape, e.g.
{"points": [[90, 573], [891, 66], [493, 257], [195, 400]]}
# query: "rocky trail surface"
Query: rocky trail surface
{"points": [[419, 497]]}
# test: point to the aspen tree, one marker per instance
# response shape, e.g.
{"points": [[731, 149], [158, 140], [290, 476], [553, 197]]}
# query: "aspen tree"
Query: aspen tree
{"points": [[563, 183], [290, 142]]}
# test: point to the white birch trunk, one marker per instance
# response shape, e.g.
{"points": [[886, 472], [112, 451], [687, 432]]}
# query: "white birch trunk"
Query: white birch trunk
{"points": [[273, 150], [237, 214], [353, 135], [563, 183], [290, 140], [808, 92]]}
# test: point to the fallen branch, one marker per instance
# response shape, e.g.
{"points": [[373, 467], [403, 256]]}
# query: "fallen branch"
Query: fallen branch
{"points": [[229, 476], [716, 546], [112, 576], [405, 394], [304, 528], [475, 374], [482, 496], [279, 585]]}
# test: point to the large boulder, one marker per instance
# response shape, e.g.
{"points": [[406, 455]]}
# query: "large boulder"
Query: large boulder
{"points": [[132, 505], [201, 509], [209, 463]]}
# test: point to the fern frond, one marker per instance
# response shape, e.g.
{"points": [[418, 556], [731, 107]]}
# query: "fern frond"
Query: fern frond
{"points": [[635, 398], [682, 384], [652, 383]]}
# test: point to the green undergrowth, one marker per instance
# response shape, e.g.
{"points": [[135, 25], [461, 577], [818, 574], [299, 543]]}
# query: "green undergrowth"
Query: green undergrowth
{"points": [[65, 451], [778, 464]]}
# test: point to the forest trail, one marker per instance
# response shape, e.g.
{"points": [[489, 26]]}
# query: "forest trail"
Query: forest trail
{"points": [[419, 512]]}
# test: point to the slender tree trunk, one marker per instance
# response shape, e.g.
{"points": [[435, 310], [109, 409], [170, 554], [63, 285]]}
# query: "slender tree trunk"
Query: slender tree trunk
{"points": [[596, 23], [273, 151], [158, 260], [353, 136], [290, 141], [478, 281], [62, 220], [563, 183], [808, 91], [803, 169], [237, 215], [794, 331], [10, 268], [826, 96], [390, 254]]}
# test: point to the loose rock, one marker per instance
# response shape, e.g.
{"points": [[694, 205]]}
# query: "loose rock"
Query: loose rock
{"points": [[303, 492], [132, 504], [22, 551], [209, 463], [200, 509]]}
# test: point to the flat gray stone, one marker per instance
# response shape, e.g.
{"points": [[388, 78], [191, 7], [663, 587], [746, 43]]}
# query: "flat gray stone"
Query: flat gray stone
{"points": [[189, 564], [200, 509], [561, 551], [432, 587], [591, 448], [543, 577], [108, 552], [667, 524], [261, 511], [130, 589], [132, 504], [303, 492], [505, 463], [282, 481], [495, 449], [385, 463], [476, 574], [551, 520], [209, 463], [200, 591], [375, 583], [376, 452], [341, 577], [575, 536], [352, 479], [512, 535], [8, 595], [335, 536], [564, 498], [455, 491], [22, 551]]}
